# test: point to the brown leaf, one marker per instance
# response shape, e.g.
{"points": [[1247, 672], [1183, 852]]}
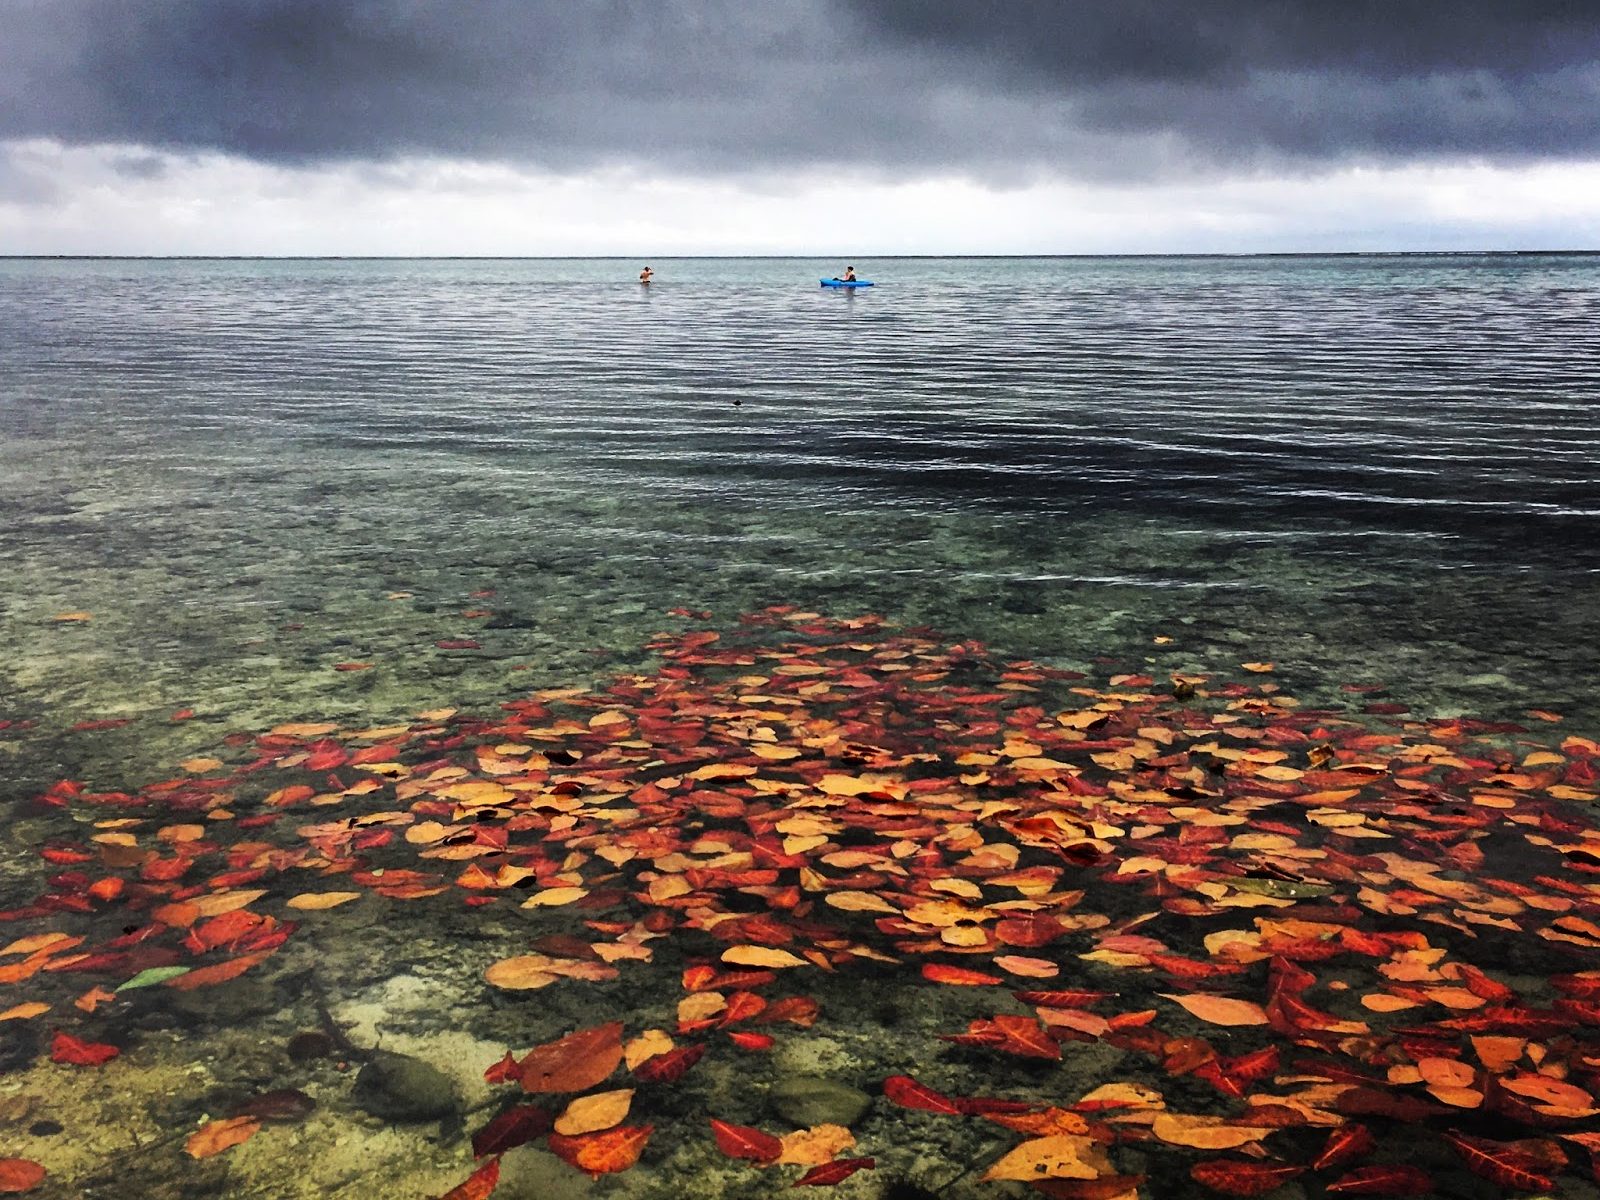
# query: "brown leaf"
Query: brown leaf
{"points": [[575, 1062]]}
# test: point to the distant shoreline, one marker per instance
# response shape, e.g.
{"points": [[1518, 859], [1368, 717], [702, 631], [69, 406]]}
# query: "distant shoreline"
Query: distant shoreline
{"points": [[1577, 253]]}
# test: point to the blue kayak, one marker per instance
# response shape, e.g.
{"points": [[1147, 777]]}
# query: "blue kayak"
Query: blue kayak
{"points": [[847, 283]]}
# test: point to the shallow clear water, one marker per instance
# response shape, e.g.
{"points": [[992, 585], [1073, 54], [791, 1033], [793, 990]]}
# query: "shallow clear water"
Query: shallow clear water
{"points": [[250, 474], [1346, 465]]}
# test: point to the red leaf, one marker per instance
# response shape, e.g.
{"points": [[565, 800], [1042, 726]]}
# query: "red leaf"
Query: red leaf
{"points": [[741, 1007], [1499, 1163], [943, 973], [505, 1070], [671, 1066], [1391, 1180], [478, 1185], [1345, 1143], [741, 1141], [510, 1129], [1061, 999], [797, 1010], [68, 1049], [908, 1093], [1107, 1187], [752, 1041], [1236, 1177], [834, 1172]]}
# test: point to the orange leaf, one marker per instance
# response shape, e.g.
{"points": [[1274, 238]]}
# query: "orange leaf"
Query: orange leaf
{"points": [[477, 1186], [1220, 1010], [19, 1175], [602, 1153], [218, 1136], [217, 972], [960, 976]]}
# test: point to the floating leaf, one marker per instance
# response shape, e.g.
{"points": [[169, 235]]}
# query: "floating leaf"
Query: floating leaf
{"points": [[1499, 1163], [743, 1141], [1238, 1177], [1344, 1144], [573, 1063], [834, 1172], [761, 956], [19, 1175], [908, 1093], [217, 1136], [1061, 1156], [151, 976], [1204, 1132], [67, 1049], [590, 1114], [603, 1153], [671, 1066], [960, 976], [512, 1128], [479, 1185], [317, 901], [1220, 1010], [1387, 1180]]}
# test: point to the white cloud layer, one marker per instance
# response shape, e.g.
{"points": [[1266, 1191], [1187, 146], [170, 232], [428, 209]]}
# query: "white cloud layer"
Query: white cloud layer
{"points": [[119, 199]]}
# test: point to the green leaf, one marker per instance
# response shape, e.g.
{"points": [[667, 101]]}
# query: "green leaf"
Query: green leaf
{"points": [[153, 975]]}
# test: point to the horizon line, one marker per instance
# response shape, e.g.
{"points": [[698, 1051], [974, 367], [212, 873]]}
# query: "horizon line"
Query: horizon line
{"points": [[1513, 253]]}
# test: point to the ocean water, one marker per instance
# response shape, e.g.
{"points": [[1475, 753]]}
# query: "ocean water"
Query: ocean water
{"points": [[1350, 466], [270, 492]]}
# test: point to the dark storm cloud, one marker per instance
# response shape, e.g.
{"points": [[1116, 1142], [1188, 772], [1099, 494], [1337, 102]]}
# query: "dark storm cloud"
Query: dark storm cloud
{"points": [[1115, 87]]}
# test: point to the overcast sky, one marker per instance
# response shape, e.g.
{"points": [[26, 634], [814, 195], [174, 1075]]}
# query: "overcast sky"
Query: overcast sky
{"points": [[654, 127]]}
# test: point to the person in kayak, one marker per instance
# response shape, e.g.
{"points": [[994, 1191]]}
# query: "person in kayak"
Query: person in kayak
{"points": [[849, 274], [645, 275]]}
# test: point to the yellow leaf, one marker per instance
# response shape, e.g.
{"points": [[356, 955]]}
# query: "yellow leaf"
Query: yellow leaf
{"points": [[522, 973], [700, 1006], [1204, 1133], [555, 897], [72, 617], [817, 1145], [305, 730], [199, 766], [860, 902], [1058, 1157], [478, 792], [316, 901], [1260, 668], [590, 1114], [646, 1046], [24, 1012], [760, 956]]}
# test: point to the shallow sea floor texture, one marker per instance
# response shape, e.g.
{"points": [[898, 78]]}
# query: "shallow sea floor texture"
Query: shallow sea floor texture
{"points": [[826, 901]]}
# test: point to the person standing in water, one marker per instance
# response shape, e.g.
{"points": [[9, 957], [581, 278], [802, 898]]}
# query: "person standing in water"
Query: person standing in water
{"points": [[645, 275]]}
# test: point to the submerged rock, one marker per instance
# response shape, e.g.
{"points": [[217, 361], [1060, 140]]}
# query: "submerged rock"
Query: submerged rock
{"points": [[807, 1100], [398, 1087]]}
